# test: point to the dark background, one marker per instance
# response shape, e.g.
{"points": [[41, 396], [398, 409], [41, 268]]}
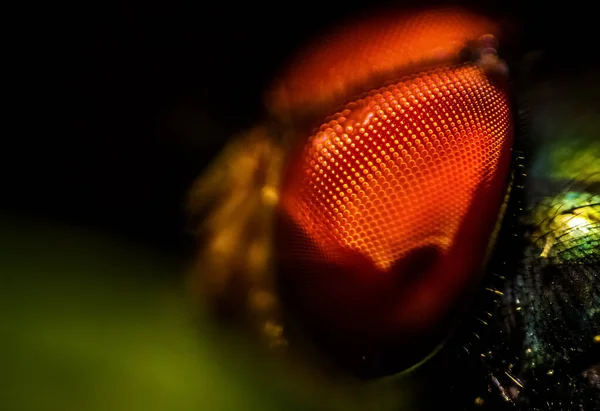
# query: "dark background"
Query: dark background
{"points": [[125, 105]]}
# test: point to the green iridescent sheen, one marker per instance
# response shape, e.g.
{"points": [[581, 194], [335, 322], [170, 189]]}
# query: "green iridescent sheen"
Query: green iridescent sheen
{"points": [[573, 159], [565, 133], [568, 226]]}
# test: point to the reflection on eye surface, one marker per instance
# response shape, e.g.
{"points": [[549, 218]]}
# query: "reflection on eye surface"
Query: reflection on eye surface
{"points": [[332, 232]]}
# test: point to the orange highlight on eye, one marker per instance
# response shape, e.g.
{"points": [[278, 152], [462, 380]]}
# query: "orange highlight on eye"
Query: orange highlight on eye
{"points": [[389, 208], [377, 46]]}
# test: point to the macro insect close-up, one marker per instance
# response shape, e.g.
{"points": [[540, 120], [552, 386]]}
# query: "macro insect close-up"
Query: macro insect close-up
{"points": [[387, 206]]}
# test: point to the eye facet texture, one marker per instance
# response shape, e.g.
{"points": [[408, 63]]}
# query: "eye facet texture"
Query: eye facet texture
{"points": [[389, 208], [375, 46]]}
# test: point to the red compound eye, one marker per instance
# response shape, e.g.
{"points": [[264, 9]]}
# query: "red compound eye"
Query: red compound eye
{"points": [[364, 52], [388, 210]]}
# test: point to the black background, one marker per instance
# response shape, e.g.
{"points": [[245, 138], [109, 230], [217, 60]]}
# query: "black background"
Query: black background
{"points": [[123, 106]]}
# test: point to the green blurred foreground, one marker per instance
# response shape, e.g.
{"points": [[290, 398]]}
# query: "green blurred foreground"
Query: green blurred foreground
{"points": [[90, 323]]}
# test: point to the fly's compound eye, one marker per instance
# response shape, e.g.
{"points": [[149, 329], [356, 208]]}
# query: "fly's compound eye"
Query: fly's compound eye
{"points": [[369, 235], [388, 209]]}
